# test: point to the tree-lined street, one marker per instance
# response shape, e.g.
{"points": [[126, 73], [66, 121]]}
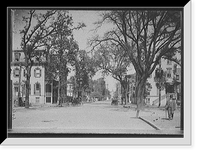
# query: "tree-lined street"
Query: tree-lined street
{"points": [[96, 117], [69, 99]]}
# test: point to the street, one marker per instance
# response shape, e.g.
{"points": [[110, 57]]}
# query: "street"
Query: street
{"points": [[96, 117]]}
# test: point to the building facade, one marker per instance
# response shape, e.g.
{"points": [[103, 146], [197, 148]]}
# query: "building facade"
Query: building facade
{"points": [[172, 77], [40, 91], [172, 72]]}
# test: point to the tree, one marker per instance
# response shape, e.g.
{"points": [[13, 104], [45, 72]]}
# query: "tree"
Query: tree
{"points": [[32, 39], [61, 48], [112, 60], [160, 80], [84, 70], [97, 95], [99, 89], [146, 36], [172, 56]]}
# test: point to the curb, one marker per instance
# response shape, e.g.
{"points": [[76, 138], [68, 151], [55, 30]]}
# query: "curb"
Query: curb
{"points": [[151, 124]]}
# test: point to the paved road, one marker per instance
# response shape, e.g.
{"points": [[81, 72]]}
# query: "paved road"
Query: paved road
{"points": [[96, 117], [93, 116]]}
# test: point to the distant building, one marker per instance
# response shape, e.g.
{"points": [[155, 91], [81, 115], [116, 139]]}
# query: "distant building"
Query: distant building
{"points": [[70, 89], [131, 87], [118, 92]]}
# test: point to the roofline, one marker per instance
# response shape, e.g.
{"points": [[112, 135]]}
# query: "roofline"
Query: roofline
{"points": [[23, 63], [22, 50]]}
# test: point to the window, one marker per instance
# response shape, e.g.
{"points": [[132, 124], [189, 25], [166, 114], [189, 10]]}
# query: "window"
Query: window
{"points": [[24, 73], [148, 101], [175, 68], [170, 89], [16, 89], [17, 56], [71, 87], [48, 88], [177, 77], [37, 72], [169, 62], [37, 89], [148, 93], [37, 99], [169, 72], [16, 72]]}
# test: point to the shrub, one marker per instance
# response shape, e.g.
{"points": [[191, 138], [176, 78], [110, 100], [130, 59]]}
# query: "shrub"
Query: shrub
{"points": [[114, 102], [76, 101]]}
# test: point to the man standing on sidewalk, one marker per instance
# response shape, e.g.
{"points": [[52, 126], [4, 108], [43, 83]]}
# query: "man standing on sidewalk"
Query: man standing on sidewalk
{"points": [[171, 107]]}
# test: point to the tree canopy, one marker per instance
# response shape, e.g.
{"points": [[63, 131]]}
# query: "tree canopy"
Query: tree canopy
{"points": [[146, 36]]}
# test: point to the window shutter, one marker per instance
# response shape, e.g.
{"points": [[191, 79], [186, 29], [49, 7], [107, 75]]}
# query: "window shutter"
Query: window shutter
{"points": [[39, 89], [24, 73], [35, 73], [34, 88], [40, 72], [30, 89]]}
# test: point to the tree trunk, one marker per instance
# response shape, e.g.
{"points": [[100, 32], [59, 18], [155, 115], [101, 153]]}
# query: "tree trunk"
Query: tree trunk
{"points": [[159, 96], [60, 78], [80, 94], [28, 75], [140, 89], [159, 85], [59, 92], [123, 93], [27, 93], [126, 94]]}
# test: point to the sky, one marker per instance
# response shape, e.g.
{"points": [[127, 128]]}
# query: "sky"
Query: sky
{"points": [[88, 17], [82, 36]]}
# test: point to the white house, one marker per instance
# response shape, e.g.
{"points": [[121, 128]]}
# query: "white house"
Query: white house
{"points": [[168, 67], [40, 91], [153, 97]]}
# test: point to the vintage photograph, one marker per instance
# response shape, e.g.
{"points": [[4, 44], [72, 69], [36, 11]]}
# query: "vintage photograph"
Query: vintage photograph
{"points": [[104, 72]]}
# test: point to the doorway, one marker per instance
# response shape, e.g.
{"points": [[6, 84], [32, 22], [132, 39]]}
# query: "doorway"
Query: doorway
{"points": [[48, 93]]}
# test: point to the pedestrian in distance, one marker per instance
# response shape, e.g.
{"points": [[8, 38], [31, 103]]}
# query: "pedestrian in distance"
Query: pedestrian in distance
{"points": [[170, 107]]}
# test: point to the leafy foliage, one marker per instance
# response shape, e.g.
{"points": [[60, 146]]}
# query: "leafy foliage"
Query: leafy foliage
{"points": [[145, 36], [61, 47], [32, 37], [48, 34]]}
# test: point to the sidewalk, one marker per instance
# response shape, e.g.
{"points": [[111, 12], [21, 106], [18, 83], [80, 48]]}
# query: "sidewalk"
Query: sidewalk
{"points": [[157, 117]]}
